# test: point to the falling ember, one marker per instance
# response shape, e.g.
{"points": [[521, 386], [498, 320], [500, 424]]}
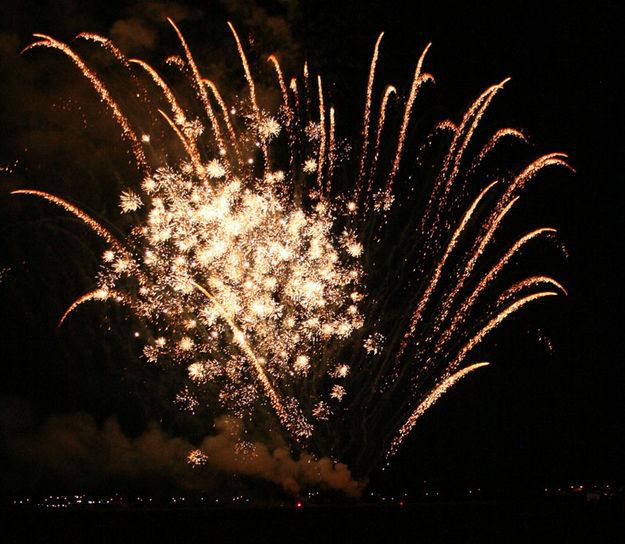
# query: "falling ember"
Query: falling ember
{"points": [[197, 458], [288, 295]]}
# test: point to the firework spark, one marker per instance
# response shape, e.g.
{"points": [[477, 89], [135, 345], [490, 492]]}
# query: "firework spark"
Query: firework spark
{"points": [[284, 288]]}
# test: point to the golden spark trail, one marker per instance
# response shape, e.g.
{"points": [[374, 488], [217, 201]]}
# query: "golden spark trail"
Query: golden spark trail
{"points": [[199, 87], [322, 138], [285, 94], [484, 281], [494, 140], [306, 85], [101, 89], [106, 44], [491, 228], [293, 87], [367, 114], [427, 403], [495, 322], [177, 61], [97, 294], [476, 113], [330, 154], [300, 429], [530, 282], [290, 120], [255, 108], [471, 119], [189, 145], [179, 114], [224, 112], [416, 316], [88, 220], [109, 46], [551, 159], [447, 124], [417, 81], [484, 240], [460, 130], [504, 205], [378, 135]]}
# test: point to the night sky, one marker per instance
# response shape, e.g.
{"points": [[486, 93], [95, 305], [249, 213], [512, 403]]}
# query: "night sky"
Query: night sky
{"points": [[550, 410]]}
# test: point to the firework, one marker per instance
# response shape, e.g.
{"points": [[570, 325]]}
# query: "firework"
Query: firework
{"points": [[271, 281]]}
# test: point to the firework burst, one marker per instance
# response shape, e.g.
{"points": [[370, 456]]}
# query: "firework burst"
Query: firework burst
{"points": [[276, 270]]}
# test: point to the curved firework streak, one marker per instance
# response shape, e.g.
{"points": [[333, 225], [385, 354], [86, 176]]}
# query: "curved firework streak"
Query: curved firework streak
{"points": [[285, 94], [97, 294], [178, 112], [331, 156], [418, 80], [188, 144], [199, 87], [427, 403], [306, 85], [463, 134], [77, 212], [96, 227], [254, 103], [224, 113], [425, 297], [529, 282], [290, 116], [366, 115], [482, 242], [449, 378], [483, 283], [529, 172], [494, 141], [293, 88], [503, 206], [99, 86], [495, 322], [109, 46], [475, 115], [388, 91], [294, 422], [322, 137]]}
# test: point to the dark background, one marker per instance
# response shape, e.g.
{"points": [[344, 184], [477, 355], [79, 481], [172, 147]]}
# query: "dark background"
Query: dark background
{"points": [[536, 417]]}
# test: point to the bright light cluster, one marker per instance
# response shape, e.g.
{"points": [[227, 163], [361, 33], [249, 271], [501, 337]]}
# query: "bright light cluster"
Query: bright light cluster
{"points": [[272, 276]]}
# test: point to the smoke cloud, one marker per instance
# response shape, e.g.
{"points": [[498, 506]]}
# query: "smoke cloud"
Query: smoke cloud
{"points": [[76, 450], [139, 29]]}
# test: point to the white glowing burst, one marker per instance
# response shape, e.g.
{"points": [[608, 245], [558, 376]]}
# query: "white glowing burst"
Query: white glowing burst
{"points": [[279, 280]]}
